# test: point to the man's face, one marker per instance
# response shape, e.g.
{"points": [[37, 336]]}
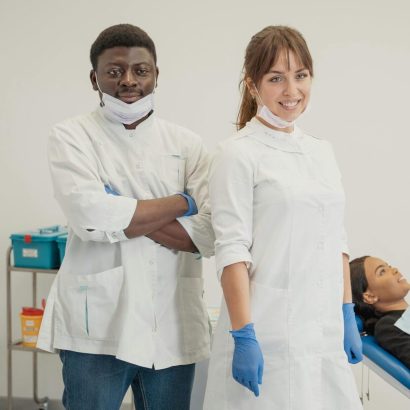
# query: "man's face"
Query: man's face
{"points": [[126, 73]]}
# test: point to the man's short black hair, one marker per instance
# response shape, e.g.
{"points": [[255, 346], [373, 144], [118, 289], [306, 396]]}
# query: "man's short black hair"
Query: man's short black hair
{"points": [[121, 35]]}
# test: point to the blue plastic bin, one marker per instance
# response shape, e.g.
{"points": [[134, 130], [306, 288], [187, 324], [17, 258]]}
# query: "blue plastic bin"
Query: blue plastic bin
{"points": [[37, 248], [61, 243]]}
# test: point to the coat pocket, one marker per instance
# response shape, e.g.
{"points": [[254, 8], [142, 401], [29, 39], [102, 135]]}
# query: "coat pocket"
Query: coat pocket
{"points": [[171, 171], [89, 306], [195, 323]]}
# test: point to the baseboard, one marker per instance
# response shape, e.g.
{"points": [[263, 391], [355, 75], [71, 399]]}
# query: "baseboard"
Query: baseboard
{"points": [[29, 404]]}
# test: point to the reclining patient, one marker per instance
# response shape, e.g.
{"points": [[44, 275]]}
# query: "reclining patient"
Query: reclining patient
{"points": [[379, 292]]}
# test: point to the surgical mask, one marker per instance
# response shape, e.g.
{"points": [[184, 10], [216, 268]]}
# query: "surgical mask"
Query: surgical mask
{"points": [[117, 110], [267, 115]]}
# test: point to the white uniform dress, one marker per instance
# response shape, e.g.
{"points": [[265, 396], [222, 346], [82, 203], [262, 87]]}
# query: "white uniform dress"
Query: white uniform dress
{"points": [[134, 299], [278, 203]]}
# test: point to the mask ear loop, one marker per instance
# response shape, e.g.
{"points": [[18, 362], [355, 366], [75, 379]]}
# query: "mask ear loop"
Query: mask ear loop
{"points": [[258, 96], [99, 89]]}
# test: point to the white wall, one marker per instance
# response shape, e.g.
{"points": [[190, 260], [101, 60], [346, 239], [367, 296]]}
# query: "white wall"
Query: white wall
{"points": [[361, 50]]}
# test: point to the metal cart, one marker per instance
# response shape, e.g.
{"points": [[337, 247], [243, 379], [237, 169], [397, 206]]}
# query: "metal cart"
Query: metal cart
{"points": [[42, 402], [17, 344]]}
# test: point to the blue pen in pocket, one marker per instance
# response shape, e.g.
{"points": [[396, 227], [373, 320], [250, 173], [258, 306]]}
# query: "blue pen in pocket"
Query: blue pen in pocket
{"points": [[84, 289], [110, 191]]}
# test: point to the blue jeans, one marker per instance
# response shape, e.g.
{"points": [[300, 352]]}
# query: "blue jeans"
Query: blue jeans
{"points": [[99, 382]]}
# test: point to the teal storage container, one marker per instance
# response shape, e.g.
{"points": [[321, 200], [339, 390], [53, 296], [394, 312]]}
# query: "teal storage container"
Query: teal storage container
{"points": [[61, 243], [37, 248]]}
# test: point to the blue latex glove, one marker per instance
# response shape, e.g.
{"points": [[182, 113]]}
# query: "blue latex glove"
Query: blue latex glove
{"points": [[247, 363], [192, 209], [352, 341]]}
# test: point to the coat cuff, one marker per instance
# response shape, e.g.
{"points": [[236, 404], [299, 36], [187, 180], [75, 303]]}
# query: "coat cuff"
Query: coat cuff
{"points": [[228, 255], [201, 233]]}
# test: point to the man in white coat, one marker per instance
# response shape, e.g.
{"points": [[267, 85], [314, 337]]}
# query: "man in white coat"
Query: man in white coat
{"points": [[126, 307]]}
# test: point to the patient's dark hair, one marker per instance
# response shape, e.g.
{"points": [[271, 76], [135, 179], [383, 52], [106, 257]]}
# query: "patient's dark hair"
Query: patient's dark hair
{"points": [[359, 286], [121, 35]]}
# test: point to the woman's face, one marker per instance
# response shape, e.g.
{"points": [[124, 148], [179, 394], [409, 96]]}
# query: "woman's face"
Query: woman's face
{"points": [[285, 89], [386, 283]]}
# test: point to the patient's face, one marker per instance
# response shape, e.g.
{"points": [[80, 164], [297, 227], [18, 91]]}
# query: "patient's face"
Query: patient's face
{"points": [[385, 281]]}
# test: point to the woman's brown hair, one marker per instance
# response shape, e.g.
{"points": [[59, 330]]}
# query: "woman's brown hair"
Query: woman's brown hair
{"points": [[261, 54]]}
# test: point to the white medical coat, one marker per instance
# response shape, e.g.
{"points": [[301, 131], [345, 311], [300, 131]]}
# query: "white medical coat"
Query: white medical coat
{"points": [[277, 203], [134, 299]]}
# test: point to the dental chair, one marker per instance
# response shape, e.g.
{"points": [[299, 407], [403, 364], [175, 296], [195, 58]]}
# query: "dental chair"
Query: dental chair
{"points": [[385, 365]]}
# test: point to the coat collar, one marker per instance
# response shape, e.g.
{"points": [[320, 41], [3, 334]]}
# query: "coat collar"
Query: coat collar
{"points": [[276, 139]]}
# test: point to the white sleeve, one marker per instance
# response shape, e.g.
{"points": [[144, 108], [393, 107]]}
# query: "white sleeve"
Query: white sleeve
{"points": [[199, 226], [231, 194], [92, 213], [345, 246], [344, 241]]}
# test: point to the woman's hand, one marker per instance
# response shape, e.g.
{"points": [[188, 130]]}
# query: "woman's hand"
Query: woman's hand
{"points": [[352, 341], [247, 362]]}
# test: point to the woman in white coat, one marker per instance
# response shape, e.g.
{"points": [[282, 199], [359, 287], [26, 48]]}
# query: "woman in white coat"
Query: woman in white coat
{"points": [[277, 210]]}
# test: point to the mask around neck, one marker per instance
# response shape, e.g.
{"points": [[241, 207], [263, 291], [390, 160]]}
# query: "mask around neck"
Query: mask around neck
{"points": [[119, 111], [267, 115], [272, 119]]}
